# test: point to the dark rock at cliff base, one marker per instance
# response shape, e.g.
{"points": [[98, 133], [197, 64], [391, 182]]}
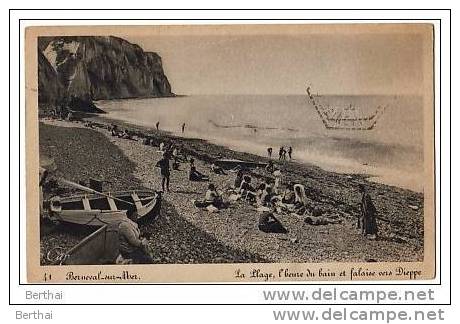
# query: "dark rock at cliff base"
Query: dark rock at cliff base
{"points": [[83, 105], [98, 68]]}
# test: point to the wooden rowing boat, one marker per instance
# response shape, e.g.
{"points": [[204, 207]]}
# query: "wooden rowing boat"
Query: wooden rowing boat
{"points": [[233, 163], [100, 247], [98, 209]]}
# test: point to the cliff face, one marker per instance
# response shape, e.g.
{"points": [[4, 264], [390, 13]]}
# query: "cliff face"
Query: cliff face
{"points": [[50, 89], [94, 68]]}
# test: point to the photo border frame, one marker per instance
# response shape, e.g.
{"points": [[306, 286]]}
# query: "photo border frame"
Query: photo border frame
{"points": [[436, 149]]}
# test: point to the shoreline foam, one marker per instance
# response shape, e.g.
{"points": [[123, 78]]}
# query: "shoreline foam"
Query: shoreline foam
{"points": [[381, 156]]}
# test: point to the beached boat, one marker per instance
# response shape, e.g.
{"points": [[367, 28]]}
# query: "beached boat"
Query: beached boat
{"points": [[233, 163], [97, 209], [100, 247]]}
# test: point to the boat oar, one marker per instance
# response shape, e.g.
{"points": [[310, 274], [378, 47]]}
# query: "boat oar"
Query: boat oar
{"points": [[84, 188]]}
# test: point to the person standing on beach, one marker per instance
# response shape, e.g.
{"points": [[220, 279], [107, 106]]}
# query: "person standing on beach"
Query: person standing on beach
{"points": [[277, 187], [163, 164], [157, 125], [269, 151], [368, 219], [281, 153], [290, 152], [183, 128]]}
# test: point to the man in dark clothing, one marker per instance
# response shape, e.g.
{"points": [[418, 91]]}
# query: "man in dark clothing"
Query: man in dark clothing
{"points": [[290, 152], [157, 125], [183, 128], [163, 164], [281, 153], [368, 220]]}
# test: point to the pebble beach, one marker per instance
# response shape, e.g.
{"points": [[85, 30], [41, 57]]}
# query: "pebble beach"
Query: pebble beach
{"points": [[186, 234]]}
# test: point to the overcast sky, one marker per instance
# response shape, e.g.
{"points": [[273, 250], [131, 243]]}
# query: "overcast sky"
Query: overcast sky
{"points": [[334, 63]]}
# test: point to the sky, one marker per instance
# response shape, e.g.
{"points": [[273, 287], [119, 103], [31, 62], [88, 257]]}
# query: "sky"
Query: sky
{"points": [[284, 63]]}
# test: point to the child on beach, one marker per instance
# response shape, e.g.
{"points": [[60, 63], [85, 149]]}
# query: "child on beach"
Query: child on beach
{"points": [[212, 198], [260, 194], [163, 164], [300, 202], [282, 203], [277, 174], [267, 196], [288, 196], [246, 190]]}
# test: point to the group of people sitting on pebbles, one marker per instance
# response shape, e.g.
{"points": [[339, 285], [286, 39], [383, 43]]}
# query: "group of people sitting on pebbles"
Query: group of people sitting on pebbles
{"points": [[120, 133], [269, 197]]}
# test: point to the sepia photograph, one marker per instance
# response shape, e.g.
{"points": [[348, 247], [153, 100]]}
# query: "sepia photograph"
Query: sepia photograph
{"points": [[230, 153]]}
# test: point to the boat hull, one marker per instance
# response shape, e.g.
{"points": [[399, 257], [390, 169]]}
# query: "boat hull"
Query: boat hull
{"points": [[91, 218], [99, 210], [100, 247]]}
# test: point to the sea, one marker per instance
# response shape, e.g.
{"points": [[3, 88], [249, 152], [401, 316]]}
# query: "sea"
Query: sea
{"points": [[390, 153]]}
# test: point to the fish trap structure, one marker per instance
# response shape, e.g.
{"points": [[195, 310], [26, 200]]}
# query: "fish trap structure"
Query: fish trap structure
{"points": [[347, 118]]}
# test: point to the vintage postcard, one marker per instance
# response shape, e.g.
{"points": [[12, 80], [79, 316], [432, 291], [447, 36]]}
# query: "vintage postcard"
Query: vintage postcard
{"points": [[230, 153]]}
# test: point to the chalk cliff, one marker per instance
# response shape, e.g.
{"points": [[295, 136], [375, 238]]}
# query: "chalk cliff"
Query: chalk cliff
{"points": [[88, 68]]}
